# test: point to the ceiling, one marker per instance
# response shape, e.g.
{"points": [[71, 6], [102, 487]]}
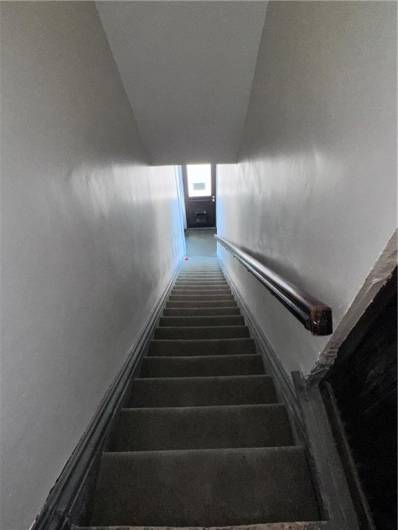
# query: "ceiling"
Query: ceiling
{"points": [[187, 68]]}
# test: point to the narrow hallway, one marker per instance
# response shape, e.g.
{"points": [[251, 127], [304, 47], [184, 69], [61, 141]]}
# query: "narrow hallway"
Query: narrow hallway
{"points": [[198, 246]]}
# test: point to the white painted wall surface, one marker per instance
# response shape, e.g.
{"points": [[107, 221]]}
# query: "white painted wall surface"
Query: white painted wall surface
{"points": [[90, 238], [314, 194]]}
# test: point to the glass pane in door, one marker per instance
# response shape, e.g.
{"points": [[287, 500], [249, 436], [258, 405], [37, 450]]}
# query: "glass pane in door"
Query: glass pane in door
{"points": [[199, 180]]}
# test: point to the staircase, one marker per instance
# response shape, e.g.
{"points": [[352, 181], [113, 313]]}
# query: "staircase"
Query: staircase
{"points": [[203, 440]]}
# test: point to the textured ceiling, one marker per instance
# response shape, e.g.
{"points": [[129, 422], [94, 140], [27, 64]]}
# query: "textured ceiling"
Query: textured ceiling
{"points": [[187, 68]]}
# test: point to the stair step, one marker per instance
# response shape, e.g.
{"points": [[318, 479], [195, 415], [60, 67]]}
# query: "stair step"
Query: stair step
{"points": [[200, 297], [201, 287], [202, 347], [201, 332], [201, 272], [201, 266], [201, 428], [197, 280], [230, 302], [203, 365], [188, 321], [197, 391], [201, 291], [205, 487], [190, 270], [204, 278], [213, 278], [203, 311]]}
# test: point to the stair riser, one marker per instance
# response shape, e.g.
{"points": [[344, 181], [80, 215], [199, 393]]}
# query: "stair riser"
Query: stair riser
{"points": [[196, 391], [201, 277], [202, 321], [190, 270], [198, 276], [216, 365], [200, 266], [198, 299], [205, 290], [202, 287], [201, 280], [200, 347], [204, 488], [199, 294], [202, 428], [209, 311], [201, 303], [216, 332], [202, 295]]}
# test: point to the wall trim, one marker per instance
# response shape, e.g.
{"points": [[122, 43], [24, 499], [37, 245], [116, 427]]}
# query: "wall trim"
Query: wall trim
{"points": [[378, 276], [64, 502], [285, 385]]}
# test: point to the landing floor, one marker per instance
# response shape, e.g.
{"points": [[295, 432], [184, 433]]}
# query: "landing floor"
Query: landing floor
{"points": [[201, 242]]}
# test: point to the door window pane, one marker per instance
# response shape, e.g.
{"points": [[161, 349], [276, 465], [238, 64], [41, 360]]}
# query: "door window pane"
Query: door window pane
{"points": [[199, 180]]}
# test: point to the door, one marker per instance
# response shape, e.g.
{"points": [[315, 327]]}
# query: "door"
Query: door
{"points": [[200, 195]]}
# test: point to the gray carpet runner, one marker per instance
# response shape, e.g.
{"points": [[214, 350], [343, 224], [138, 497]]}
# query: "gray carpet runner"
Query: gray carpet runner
{"points": [[203, 440]]}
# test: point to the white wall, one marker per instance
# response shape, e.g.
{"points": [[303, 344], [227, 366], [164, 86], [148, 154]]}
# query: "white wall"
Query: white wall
{"points": [[314, 192], [91, 236]]}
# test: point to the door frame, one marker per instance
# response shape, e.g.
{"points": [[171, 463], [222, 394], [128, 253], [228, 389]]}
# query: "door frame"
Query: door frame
{"points": [[213, 189]]}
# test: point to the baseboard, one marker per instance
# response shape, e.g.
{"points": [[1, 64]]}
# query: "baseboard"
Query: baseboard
{"points": [[285, 387], [66, 498]]}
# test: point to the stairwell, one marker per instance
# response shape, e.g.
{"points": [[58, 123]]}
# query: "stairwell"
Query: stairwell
{"points": [[204, 440]]}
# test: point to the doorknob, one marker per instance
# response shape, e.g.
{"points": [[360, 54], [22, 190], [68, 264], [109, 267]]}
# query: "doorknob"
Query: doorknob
{"points": [[213, 199]]}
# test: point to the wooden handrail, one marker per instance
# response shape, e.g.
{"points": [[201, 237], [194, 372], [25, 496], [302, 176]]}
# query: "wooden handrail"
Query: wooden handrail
{"points": [[312, 313]]}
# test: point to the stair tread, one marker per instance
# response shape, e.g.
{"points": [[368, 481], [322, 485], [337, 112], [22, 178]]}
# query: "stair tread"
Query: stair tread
{"points": [[227, 294], [200, 346], [206, 377], [211, 320], [205, 311], [201, 303], [196, 365], [203, 390], [197, 332], [219, 426], [201, 281], [201, 286], [204, 487], [204, 357]]}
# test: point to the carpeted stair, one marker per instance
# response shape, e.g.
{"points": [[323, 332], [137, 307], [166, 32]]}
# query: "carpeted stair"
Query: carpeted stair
{"points": [[203, 440]]}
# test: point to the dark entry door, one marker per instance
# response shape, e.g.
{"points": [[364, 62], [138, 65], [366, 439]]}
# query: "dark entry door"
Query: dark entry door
{"points": [[200, 195]]}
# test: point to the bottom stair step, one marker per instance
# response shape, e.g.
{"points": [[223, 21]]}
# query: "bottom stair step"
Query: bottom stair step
{"points": [[207, 487]]}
